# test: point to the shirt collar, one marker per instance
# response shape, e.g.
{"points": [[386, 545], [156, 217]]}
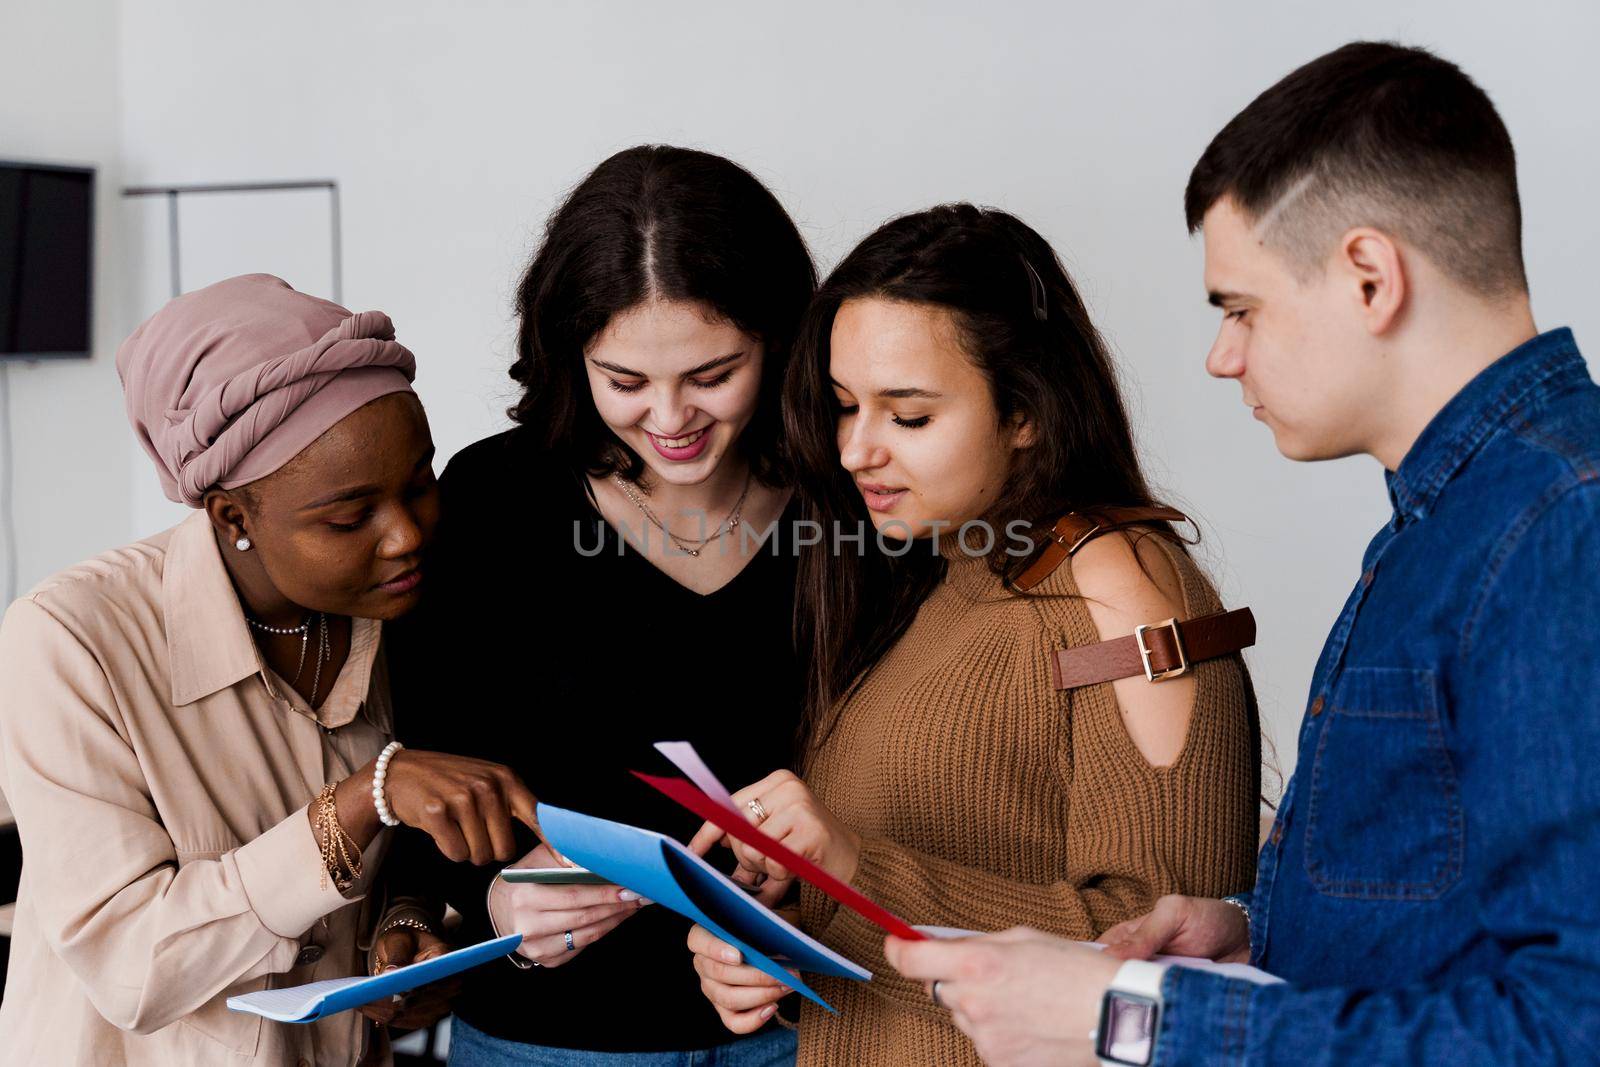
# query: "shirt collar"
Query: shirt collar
{"points": [[208, 643], [348, 697], [1473, 414]]}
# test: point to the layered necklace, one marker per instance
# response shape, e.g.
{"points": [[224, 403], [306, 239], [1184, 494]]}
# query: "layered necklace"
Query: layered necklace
{"points": [[324, 646], [693, 548]]}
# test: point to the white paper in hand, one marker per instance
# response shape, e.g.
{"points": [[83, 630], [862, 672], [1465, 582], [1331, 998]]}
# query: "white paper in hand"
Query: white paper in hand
{"points": [[687, 760], [1242, 971]]}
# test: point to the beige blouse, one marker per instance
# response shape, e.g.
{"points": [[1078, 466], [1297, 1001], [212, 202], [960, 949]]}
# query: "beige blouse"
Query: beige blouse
{"points": [[160, 774]]}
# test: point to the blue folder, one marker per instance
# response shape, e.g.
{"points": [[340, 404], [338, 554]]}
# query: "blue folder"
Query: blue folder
{"points": [[306, 1003], [660, 869]]}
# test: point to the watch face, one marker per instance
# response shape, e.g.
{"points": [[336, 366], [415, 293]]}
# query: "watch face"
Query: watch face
{"points": [[1127, 1029]]}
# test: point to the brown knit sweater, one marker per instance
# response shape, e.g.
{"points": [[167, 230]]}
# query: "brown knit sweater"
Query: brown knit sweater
{"points": [[987, 799]]}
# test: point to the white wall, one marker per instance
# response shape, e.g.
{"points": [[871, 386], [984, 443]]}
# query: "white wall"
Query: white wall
{"points": [[58, 104], [454, 129]]}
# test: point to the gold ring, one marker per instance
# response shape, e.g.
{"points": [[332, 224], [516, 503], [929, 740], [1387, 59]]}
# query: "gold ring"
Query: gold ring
{"points": [[758, 810]]}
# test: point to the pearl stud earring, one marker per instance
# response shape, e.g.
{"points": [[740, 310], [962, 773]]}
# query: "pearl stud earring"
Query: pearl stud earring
{"points": [[243, 544]]}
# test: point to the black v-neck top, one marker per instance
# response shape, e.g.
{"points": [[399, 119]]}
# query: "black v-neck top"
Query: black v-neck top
{"points": [[546, 643]]}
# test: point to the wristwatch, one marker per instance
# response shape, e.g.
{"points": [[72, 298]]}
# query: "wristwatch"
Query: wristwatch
{"points": [[1130, 1015]]}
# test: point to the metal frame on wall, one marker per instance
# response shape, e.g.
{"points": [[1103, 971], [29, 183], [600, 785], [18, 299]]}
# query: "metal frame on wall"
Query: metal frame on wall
{"points": [[173, 192]]}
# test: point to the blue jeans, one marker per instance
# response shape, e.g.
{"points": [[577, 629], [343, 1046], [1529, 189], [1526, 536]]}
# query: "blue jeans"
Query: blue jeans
{"points": [[474, 1048]]}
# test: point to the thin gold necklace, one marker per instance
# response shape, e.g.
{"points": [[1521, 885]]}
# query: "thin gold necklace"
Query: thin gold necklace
{"points": [[693, 548]]}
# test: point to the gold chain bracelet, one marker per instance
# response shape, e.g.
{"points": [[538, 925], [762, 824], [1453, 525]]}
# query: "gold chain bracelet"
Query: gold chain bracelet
{"points": [[410, 924], [336, 845]]}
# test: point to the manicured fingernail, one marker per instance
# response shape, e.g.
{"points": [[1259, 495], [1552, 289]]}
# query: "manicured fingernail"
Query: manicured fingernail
{"points": [[766, 1012], [729, 955], [645, 902], [387, 967], [627, 894]]}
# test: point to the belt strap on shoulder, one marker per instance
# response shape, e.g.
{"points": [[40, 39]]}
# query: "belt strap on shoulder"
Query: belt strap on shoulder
{"points": [[1158, 651], [1072, 531]]}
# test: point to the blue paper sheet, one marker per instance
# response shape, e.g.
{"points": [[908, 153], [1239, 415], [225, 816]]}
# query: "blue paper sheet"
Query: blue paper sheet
{"points": [[306, 1003], [659, 868]]}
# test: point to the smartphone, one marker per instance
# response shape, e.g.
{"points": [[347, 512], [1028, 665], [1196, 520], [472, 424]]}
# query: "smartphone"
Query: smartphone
{"points": [[553, 876]]}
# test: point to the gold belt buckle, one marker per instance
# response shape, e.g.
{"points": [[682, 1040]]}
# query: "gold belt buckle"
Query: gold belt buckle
{"points": [[1144, 651]]}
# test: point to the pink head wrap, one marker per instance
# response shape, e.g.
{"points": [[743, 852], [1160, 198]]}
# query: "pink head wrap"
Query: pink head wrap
{"points": [[226, 384]]}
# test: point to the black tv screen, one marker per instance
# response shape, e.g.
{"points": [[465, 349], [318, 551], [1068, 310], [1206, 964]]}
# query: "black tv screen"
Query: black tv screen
{"points": [[46, 259]]}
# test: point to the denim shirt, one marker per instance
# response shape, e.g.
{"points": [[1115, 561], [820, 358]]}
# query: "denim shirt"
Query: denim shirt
{"points": [[1431, 887]]}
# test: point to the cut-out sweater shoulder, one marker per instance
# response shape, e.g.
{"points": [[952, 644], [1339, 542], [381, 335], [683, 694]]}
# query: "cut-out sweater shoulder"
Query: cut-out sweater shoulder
{"points": [[987, 799]]}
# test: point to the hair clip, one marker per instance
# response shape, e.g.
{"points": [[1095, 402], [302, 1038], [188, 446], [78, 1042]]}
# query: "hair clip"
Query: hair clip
{"points": [[1040, 310]]}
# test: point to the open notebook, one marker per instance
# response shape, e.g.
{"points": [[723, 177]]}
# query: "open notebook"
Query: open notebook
{"points": [[305, 1003], [660, 869]]}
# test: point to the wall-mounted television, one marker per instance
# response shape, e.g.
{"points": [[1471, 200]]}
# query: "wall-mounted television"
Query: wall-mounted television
{"points": [[46, 260]]}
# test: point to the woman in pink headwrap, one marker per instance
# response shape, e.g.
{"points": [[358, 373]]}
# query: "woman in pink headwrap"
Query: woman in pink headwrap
{"points": [[191, 726]]}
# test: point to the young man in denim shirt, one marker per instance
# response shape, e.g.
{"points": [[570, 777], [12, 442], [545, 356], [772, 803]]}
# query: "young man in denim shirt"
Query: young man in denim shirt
{"points": [[1430, 890]]}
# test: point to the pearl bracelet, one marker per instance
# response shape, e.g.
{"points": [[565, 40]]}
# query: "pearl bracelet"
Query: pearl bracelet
{"points": [[379, 773]]}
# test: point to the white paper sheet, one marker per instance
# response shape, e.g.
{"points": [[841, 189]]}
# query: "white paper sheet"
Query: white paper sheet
{"points": [[687, 760], [1242, 971]]}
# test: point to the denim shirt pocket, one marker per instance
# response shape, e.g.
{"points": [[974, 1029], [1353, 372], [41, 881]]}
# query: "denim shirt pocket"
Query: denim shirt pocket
{"points": [[1384, 818]]}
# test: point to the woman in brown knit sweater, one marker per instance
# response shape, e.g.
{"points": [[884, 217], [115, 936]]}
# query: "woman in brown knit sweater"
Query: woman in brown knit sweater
{"points": [[949, 386]]}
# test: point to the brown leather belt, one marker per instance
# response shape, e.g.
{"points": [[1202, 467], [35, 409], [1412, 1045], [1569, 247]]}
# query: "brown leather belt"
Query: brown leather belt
{"points": [[1071, 532], [1158, 651]]}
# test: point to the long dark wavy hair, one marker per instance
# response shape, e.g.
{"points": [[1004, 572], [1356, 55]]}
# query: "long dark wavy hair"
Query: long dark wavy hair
{"points": [[1022, 323], [656, 222]]}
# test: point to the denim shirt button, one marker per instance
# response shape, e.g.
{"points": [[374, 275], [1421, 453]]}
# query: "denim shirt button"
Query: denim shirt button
{"points": [[1366, 578], [1277, 833], [1317, 705]]}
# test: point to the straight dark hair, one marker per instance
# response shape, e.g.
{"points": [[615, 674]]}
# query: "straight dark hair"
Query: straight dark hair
{"points": [[1024, 326], [1375, 134], [656, 223]]}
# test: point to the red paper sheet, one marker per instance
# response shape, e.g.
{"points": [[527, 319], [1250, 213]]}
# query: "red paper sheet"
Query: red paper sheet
{"points": [[690, 796]]}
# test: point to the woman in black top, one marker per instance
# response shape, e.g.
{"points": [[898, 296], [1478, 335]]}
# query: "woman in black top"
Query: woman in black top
{"points": [[614, 571]]}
